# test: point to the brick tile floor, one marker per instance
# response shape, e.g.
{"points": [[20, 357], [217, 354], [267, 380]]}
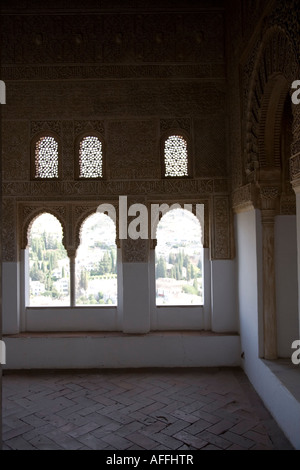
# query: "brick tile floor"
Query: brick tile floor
{"points": [[171, 409]]}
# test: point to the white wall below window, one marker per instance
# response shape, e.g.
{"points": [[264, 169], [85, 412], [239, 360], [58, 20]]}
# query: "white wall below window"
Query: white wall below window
{"points": [[118, 350]]}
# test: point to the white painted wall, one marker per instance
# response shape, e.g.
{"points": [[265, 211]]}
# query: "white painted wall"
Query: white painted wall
{"points": [[136, 304], [248, 282], [113, 350], [276, 397], [71, 319], [286, 283], [224, 316]]}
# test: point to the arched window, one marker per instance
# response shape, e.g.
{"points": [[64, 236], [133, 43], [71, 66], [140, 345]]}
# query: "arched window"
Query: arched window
{"points": [[90, 157], [179, 259], [49, 268], [46, 157], [96, 262], [176, 156]]}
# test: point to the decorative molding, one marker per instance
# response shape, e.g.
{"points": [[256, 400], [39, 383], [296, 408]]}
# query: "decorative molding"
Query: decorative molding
{"points": [[221, 242], [67, 150], [275, 54], [213, 71], [37, 127], [287, 204], [105, 189], [244, 198], [135, 251], [177, 123], [86, 126], [9, 233], [295, 167], [28, 212], [269, 192]]}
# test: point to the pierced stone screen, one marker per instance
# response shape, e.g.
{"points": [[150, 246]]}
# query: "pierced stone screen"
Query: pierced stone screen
{"points": [[176, 158], [46, 158], [90, 158]]}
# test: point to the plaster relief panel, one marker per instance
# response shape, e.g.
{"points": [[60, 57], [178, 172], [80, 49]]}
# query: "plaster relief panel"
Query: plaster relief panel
{"points": [[210, 147], [131, 149], [15, 150]]}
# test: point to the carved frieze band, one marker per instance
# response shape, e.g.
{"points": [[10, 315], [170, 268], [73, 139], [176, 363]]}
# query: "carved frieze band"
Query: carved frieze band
{"points": [[75, 189], [196, 71]]}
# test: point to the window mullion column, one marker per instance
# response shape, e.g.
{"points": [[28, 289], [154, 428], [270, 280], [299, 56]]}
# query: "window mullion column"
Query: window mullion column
{"points": [[72, 257]]}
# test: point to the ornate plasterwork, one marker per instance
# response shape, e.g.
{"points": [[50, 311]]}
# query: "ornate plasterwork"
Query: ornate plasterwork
{"points": [[222, 240], [37, 127], [82, 189], [131, 149], [27, 213], [245, 197], [288, 204], [275, 56], [109, 38], [135, 251], [9, 233]]}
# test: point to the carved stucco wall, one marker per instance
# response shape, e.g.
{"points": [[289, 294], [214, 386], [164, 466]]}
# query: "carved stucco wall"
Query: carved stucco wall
{"points": [[129, 71], [267, 57]]}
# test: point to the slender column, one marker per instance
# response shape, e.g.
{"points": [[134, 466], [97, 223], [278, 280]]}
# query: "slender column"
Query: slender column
{"points": [[72, 257], [269, 196]]}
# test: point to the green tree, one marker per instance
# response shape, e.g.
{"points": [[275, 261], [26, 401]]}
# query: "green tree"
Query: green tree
{"points": [[35, 273], [83, 282], [192, 272], [195, 286], [161, 269]]}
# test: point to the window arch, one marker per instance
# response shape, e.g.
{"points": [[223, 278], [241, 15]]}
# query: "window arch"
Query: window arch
{"points": [[45, 157], [49, 267], [90, 156], [96, 262], [175, 156], [179, 259]]}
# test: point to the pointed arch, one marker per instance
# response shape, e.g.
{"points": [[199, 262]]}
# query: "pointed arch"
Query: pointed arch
{"points": [[96, 261], [49, 275]]}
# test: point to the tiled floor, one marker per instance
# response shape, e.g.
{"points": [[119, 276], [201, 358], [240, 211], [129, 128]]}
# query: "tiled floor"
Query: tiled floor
{"points": [[173, 409]]}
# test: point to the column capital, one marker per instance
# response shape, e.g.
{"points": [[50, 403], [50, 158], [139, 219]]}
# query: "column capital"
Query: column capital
{"points": [[269, 195], [72, 253]]}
